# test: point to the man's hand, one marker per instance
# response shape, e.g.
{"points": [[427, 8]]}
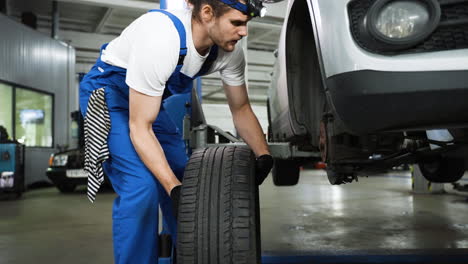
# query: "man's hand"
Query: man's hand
{"points": [[175, 196], [263, 166]]}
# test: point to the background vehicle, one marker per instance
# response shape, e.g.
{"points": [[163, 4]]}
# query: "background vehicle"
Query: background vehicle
{"points": [[66, 167], [372, 84], [66, 170]]}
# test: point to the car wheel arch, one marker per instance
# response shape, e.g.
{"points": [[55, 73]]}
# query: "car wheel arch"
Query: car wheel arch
{"points": [[302, 58]]}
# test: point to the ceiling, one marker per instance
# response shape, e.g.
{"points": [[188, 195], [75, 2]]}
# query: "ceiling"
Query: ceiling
{"points": [[87, 24]]}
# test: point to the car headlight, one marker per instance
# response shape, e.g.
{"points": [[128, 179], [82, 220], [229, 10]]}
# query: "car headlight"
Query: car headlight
{"points": [[398, 24], [60, 160]]}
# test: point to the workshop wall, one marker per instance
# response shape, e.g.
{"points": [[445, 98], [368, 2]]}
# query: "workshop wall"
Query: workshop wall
{"points": [[32, 60]]}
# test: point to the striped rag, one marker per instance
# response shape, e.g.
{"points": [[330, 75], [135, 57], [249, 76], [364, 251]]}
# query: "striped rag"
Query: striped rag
{"points": [[96, 130]]}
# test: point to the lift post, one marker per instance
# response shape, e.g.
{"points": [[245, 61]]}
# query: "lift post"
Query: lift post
{"points": [[422, 186]]}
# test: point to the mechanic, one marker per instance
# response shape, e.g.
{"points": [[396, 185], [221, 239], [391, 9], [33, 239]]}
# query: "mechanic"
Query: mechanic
{"points": [[131, 137]]}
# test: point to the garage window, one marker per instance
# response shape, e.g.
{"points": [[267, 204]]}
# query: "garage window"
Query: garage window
{"points": [[33, 118], [6, 109], [27, 115]]}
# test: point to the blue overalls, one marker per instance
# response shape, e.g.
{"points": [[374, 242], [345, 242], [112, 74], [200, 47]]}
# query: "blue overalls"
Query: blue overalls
{"points": [[135, 210]]}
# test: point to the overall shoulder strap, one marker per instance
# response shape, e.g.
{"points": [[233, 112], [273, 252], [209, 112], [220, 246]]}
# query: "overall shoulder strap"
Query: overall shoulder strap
{"points": [[181, 29], [209, 61]]}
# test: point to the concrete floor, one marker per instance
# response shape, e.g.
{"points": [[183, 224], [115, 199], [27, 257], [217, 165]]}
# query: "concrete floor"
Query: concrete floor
{"points": [[377, 214]]}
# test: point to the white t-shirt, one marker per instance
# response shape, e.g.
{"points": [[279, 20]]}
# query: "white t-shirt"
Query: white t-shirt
{"points": [[149, 50]]}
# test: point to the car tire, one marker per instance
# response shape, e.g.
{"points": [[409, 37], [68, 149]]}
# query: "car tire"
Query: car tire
{"points": [[333, 177], [219, 216], [285, 172], [442, 169], [336, 177], [66, 187]]}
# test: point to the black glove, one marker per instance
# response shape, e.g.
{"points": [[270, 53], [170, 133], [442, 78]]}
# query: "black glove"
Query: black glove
{"points": [[263, 166], [175, 196]]}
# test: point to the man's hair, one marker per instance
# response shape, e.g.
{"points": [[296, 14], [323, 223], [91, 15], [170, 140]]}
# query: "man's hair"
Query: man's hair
{"points": [[219, 8]]}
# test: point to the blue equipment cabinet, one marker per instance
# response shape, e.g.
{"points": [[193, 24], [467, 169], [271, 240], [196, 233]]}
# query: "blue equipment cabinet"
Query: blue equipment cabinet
{"points": [[11, 170]]}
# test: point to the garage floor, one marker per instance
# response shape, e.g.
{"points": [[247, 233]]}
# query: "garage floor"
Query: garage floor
{"points": [[378, 214]]}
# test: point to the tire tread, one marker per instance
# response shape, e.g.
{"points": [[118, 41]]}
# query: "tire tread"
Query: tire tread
{"points": [[218, 214]]}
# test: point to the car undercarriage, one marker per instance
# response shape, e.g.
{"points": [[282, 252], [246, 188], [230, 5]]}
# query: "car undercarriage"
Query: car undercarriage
{"points": [[368, 105]]}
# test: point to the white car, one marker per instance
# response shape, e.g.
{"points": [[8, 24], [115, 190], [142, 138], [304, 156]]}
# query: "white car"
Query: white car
{"points": [[371, 84]]}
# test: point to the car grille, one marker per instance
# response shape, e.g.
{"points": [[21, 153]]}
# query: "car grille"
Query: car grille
{"points": [[450, 34]]}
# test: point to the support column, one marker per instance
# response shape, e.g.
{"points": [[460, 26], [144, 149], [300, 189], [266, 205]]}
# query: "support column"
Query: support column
{"points": [[245, 49], [3, 7], [55, 20], [198, 83], [163, 4], [422, 186], [172, 4]]}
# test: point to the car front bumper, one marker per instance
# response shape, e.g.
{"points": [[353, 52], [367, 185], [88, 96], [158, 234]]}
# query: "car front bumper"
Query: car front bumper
{"points": [[59, 176], [372, 101]]}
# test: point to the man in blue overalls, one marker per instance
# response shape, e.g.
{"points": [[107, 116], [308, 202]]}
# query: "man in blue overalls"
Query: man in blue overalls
{"points": [[122, 99]]}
